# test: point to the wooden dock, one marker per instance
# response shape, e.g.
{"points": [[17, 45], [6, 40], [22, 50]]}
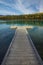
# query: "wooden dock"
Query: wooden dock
{"points": [[21, 51]]}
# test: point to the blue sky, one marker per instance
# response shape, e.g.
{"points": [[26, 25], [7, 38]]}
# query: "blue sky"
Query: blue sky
{"points": [[17, 7]]}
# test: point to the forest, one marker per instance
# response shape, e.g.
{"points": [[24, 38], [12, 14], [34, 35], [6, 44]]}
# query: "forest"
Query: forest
{"points": [[37, 16]]}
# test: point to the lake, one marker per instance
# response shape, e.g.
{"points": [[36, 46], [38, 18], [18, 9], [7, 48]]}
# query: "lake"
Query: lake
{"points": [[36, 34], [6, 35]]}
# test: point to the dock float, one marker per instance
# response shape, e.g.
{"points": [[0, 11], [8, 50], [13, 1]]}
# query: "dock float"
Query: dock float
{"points": [[21, 51]]}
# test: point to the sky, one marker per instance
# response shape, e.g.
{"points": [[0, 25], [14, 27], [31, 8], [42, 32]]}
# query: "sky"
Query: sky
{"points": [[18, 7]]}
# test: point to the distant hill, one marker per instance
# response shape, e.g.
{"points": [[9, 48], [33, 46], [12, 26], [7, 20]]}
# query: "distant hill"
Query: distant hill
{"points": [[38, 16]]}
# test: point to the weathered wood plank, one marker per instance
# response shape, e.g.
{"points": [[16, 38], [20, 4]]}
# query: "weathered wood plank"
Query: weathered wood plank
{"points": [[21, 51]]}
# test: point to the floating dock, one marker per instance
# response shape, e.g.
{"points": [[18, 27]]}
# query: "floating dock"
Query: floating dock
{"points": [[21, 51]]}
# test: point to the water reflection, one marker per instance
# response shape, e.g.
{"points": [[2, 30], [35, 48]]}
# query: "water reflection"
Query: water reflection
{"points": [[6, 35], [27, 22], [36, 35]]}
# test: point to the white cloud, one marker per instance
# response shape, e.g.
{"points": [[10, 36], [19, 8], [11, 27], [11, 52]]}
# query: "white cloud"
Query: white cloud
{"points": [[41, 6], [7, 4], [24, 6], [21, 7], [4, 12]]}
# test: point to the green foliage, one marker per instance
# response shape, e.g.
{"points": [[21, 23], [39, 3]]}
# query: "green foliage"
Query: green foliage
{"points": [[38, 16]]}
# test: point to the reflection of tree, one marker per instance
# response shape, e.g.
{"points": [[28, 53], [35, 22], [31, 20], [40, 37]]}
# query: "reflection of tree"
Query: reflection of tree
{"points": [[24, 19]]}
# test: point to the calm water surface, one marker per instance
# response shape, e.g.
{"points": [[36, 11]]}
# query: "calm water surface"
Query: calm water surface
{"points": [[6, 35], [36, 34]]}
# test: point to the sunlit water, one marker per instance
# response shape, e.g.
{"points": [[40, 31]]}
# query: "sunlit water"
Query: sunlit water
{"points": [[6, 35], [36, 34]]}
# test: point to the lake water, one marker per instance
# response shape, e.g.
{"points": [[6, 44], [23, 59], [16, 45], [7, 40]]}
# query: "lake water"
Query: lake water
{"points": [[6, 35], [36, 34]]}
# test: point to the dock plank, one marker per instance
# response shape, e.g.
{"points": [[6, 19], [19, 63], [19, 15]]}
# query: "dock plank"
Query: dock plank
{"points": [[21, 51]]}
